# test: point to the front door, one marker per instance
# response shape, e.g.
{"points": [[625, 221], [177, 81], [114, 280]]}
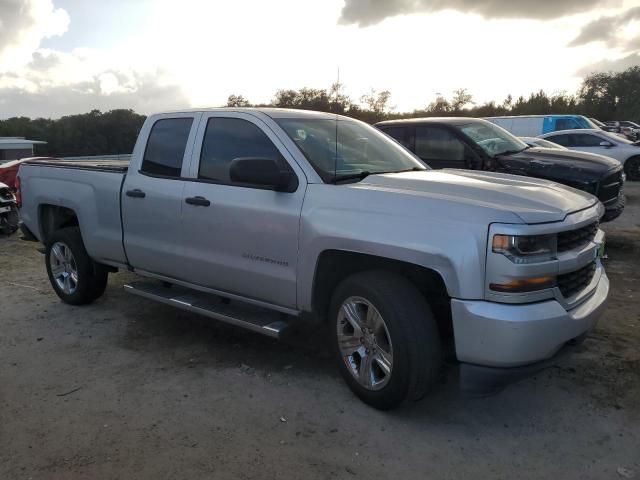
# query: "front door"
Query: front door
{"points": [[438, 147], [238, 238]]}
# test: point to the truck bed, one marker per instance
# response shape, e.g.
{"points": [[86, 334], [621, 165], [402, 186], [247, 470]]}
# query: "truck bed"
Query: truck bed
{"points": [[119, 166], [90, 189]]}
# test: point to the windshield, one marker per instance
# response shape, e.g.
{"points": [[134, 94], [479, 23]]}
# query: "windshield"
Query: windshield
{"points": [[584, 122], [493, 139], [357, 149]]}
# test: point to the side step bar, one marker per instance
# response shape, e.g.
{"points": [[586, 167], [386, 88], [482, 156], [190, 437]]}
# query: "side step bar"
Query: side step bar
{"points": [[266, 322]]}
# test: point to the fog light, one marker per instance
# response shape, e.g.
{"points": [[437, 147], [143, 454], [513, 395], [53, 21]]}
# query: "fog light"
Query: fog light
{"points": [[522, 285]]}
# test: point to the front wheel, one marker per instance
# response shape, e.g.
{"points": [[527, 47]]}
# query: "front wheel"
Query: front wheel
{"points": [[632, 168], [385, 338], [74, 276]]}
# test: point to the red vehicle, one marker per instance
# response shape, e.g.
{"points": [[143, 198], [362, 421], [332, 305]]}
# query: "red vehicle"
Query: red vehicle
{"points": [[8, 172]]}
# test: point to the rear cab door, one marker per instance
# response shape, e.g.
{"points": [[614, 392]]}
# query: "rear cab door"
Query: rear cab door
{"points": [[152, 196], [238, 238]]}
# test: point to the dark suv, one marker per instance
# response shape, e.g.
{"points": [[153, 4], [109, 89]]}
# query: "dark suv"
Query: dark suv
{"points": [[475, 144]]}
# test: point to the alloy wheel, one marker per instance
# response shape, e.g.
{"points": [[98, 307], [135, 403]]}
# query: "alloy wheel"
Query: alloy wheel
{"points": [[365, 343], [64, 269]]}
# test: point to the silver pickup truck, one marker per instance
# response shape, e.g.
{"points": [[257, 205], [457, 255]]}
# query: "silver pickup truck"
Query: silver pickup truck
{"points": [[265, 217]]}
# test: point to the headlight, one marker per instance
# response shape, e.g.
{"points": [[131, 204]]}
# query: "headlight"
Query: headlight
{"points": [[526, 249]]}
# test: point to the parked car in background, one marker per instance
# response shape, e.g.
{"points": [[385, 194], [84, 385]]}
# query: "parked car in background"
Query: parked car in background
{"points": [[8, 171], [630, 130], [604, 126], [534, 125], [536, 142], [613, 127], [265, 217], [603, 143], [481, 145], [9, 218]]}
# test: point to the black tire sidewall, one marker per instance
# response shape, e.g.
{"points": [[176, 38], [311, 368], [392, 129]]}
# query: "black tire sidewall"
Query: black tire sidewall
{"points": [[413, 333], [87, 281], [632, 165]]}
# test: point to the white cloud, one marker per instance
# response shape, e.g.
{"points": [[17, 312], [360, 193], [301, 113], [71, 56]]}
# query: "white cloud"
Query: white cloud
{"points": [[197, 52], [141, 93], [36, 81], [369, 12], [619, 34], [23, 26]]}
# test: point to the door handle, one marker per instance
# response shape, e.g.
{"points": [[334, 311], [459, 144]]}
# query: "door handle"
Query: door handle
{"points": [[136, 193], [198, 201]]}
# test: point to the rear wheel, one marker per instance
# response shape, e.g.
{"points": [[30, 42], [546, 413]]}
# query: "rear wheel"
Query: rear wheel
{"points": [[632, 168], [385, 338], [74, 276]]}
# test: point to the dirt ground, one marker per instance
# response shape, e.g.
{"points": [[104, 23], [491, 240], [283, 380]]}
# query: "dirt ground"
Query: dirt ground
{"points": [[126, 388]]}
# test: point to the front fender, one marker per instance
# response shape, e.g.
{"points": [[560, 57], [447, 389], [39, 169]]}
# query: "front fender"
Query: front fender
{"points": [[454, 249]]}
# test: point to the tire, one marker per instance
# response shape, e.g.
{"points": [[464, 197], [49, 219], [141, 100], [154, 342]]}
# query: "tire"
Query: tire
{"points": [[632, 168], [74, 276], [408, 341]]}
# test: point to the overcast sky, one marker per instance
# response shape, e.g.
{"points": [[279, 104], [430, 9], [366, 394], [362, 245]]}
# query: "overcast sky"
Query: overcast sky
{"points": [[60, 57]]}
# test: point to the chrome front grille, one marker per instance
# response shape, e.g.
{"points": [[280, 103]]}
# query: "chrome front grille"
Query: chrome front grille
{"points": [[572, 239]]}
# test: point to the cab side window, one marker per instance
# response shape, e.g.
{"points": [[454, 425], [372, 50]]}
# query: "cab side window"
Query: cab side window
{"points": [[226, 139], [563, 140], [435, 143], [166, 144], [399, 134], [566, 124], [585, 140]]}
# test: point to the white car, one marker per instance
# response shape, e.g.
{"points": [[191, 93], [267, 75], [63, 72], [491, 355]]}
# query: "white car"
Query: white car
{"points": [[535, 142], [604, 143]]}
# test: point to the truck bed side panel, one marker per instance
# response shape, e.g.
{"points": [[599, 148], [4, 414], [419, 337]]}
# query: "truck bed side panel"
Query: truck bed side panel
{"points": [[94, 195]]}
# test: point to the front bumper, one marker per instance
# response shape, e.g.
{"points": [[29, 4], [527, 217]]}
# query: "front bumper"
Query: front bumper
{"points": [[614, 211], [500, 335]]}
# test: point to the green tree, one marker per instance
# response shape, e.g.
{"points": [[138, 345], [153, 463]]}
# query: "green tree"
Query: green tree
{"points": [[612, 96], [237, 101], [377, 103], [461, 98]]}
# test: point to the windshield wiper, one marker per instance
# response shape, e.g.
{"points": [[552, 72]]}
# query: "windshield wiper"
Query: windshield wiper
{"points": [[511, 152], [412, 169], [366, 173], [351, 176]]}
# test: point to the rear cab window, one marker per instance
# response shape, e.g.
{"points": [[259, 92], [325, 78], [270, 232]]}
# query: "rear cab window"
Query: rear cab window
{"points": [[166, 145]]}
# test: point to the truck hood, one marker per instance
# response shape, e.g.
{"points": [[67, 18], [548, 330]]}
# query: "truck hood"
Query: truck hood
{"points": [[533, 200], [570, 159]]}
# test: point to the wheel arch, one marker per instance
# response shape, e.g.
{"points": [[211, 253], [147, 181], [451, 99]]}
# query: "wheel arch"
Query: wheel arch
{"points": [[334, 265], [54, 217]]}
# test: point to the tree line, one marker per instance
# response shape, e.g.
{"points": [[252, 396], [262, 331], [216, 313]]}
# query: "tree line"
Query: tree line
{"points": [[605, 96]]}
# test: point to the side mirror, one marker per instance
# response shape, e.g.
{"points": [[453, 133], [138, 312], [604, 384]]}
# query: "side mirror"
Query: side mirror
{"points": [[264, 172], [606, 144]]}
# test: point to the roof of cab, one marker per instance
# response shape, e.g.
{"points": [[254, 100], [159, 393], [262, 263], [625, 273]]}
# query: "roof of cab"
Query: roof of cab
{"points": [[269, 111], [572, 131], [423, 120]]}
